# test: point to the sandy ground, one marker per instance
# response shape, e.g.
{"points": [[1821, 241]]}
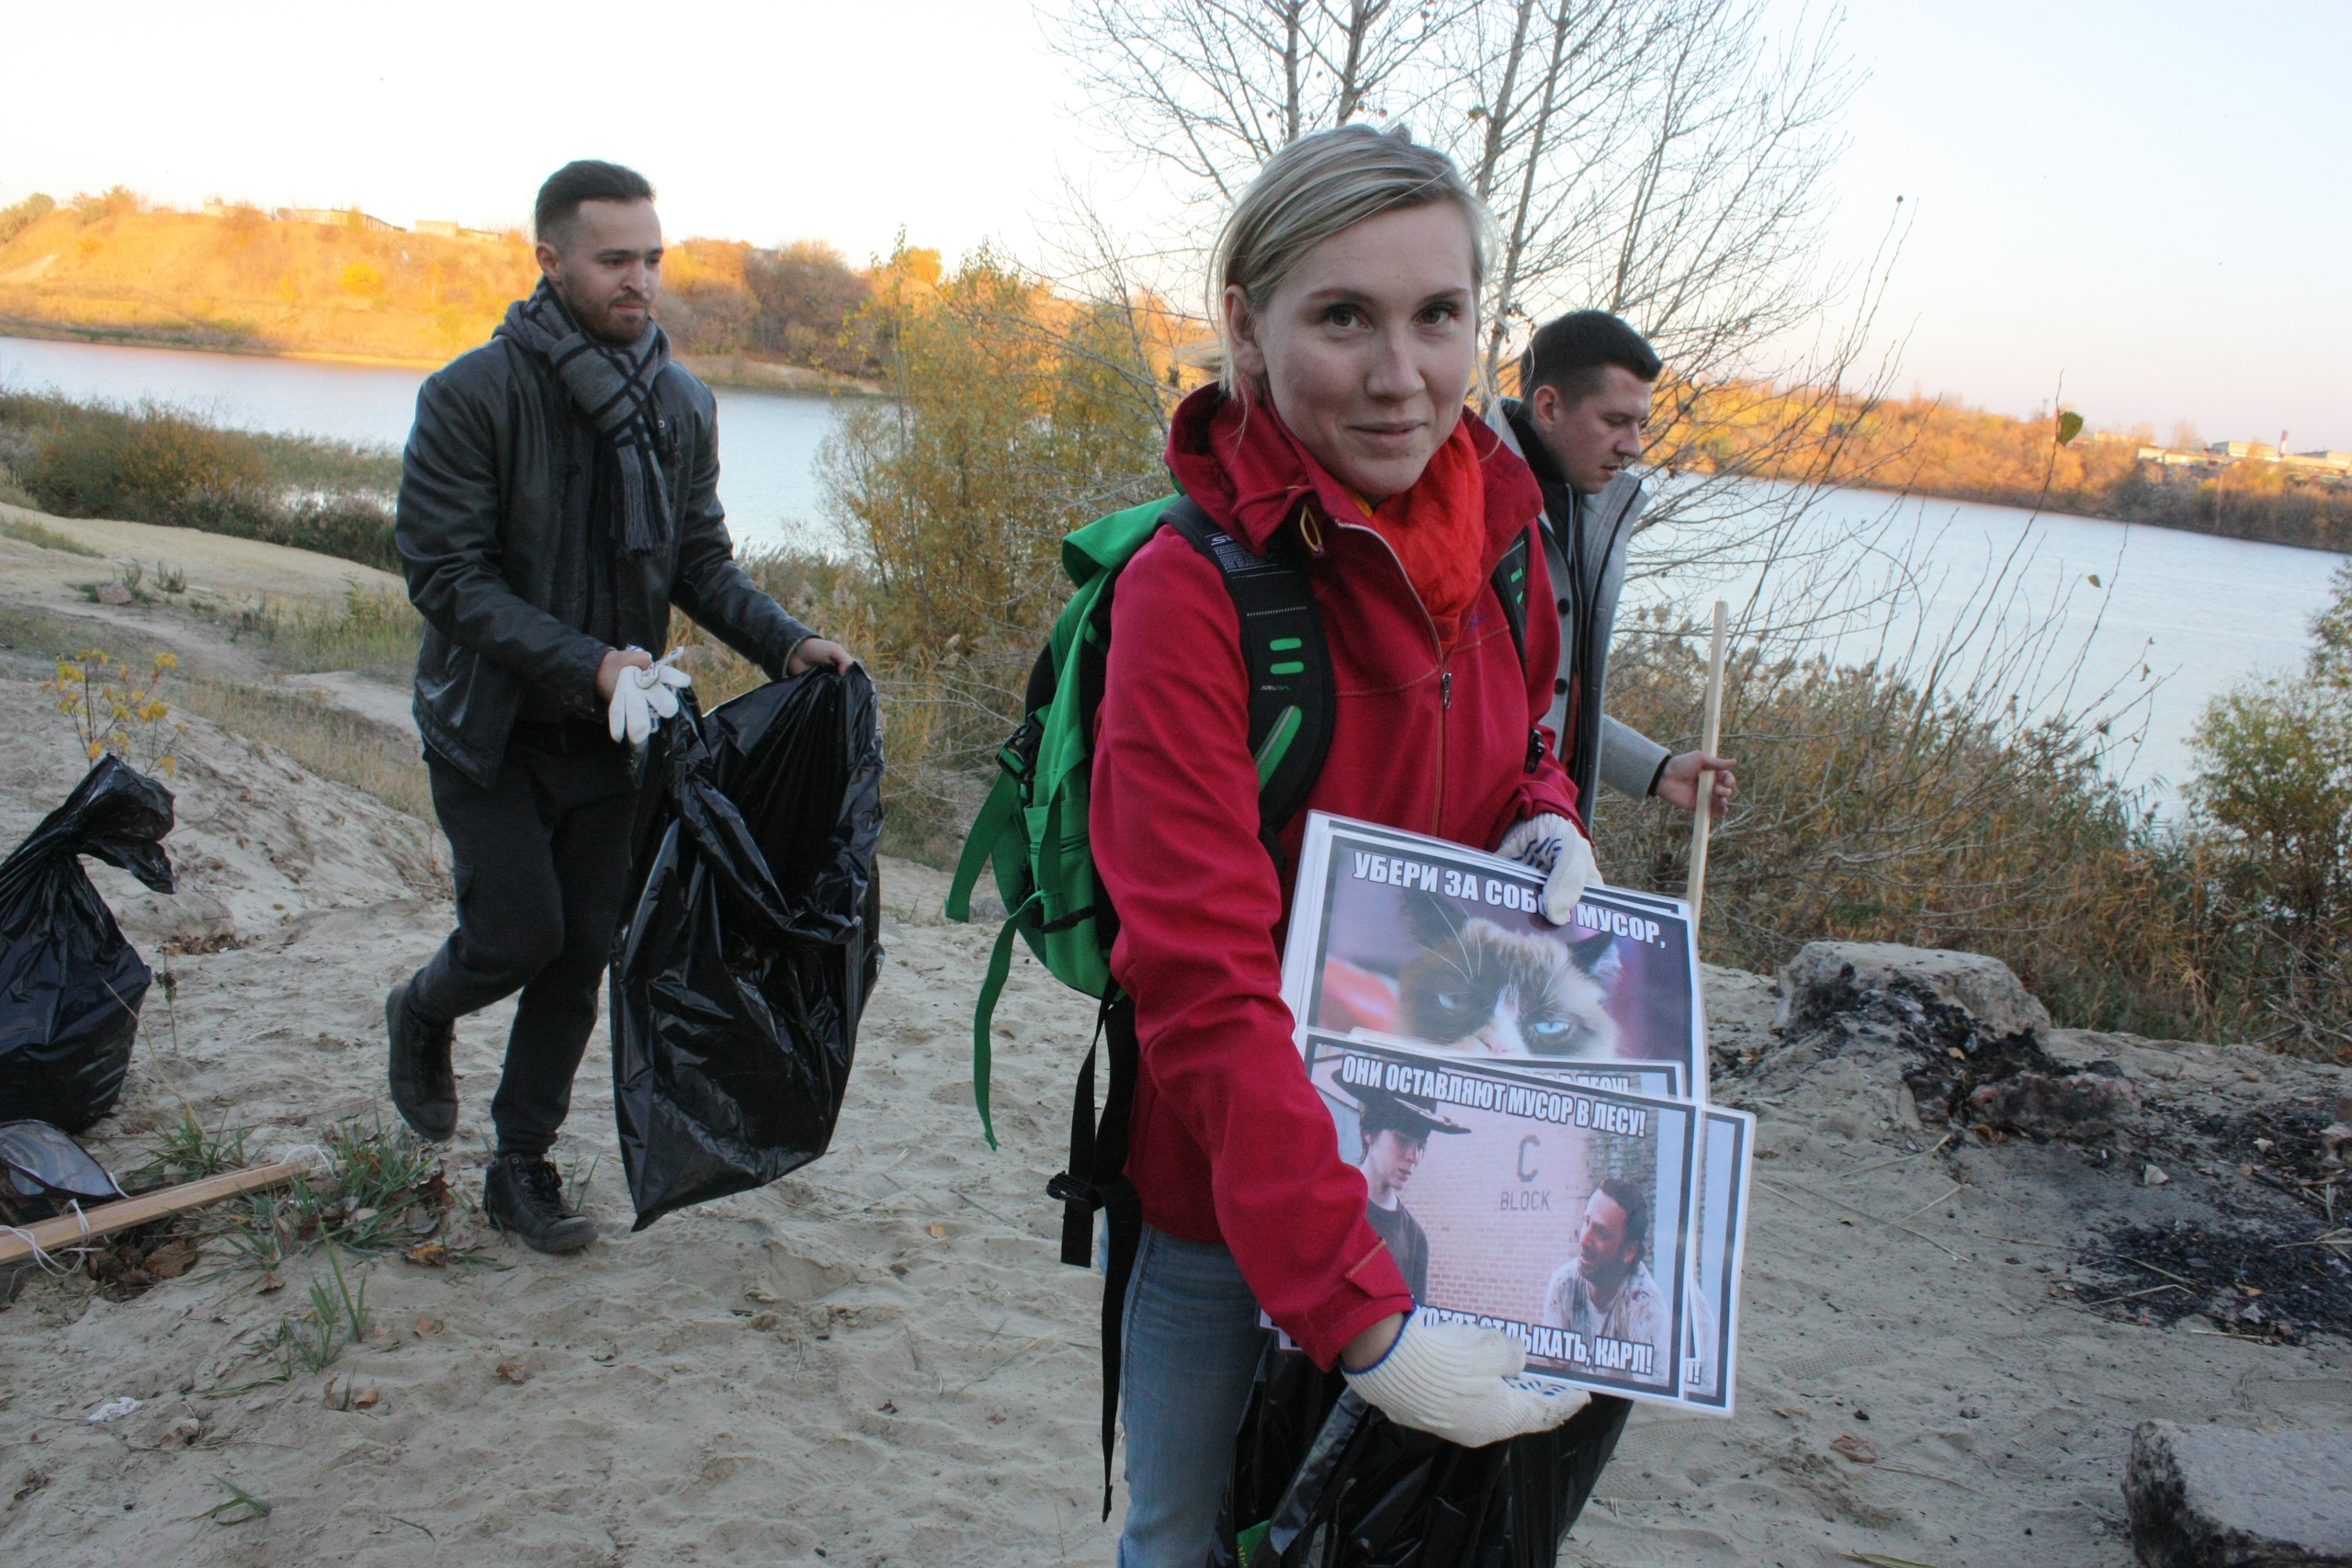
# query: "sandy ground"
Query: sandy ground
{"points": [[217, 566], [223, 576], [879, 1361]]}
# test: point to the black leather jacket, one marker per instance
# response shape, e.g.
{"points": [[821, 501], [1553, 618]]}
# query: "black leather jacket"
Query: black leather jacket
{"points": [[484, 484]]}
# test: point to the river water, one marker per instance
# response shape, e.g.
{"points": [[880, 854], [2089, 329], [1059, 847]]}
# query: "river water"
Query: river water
{"points": [[2198, 613], [768, 440]]}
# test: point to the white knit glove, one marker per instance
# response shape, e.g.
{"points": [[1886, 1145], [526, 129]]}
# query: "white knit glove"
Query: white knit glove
{"points": [[643, 698], [1463, 1384], [1551, 843]]}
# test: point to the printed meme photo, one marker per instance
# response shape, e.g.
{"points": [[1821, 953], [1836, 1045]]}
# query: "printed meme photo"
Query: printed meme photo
{"points": [[1555, 1213], [1711, 1294], [1400, 939]]}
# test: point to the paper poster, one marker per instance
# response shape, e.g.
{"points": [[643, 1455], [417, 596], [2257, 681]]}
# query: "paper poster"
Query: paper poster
{"points": [[1560, 1215], [1400, 938], [1718, 1203]]}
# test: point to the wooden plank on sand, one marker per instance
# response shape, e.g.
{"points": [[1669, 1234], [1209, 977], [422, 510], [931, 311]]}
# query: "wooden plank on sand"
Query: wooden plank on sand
{"points": [[68, 1229]]}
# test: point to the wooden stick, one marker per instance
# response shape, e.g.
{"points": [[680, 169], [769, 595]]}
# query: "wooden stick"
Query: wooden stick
{"points": [[1710, 735], [66, 1230]]}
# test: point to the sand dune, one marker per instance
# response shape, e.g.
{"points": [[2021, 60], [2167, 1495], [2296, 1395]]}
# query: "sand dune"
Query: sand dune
{"points": [[879, 1361]]}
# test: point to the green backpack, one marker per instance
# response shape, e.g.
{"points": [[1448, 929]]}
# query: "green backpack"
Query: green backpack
{"points": [[1033, 823]]}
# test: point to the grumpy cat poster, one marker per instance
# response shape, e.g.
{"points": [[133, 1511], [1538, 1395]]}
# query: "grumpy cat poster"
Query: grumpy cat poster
{"points": [[1408, 938]]}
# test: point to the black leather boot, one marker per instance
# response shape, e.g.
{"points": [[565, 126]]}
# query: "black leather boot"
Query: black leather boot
{"points": [[425, 1088], [526, 1196]]}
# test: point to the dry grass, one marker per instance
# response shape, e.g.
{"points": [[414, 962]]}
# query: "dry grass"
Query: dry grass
{"points": [[370, 631], [331, 742], [27, 532], [334, 744]]}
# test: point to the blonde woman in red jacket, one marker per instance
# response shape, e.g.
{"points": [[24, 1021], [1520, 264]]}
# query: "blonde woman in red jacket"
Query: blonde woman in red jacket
{"points": [[1347, 280]]}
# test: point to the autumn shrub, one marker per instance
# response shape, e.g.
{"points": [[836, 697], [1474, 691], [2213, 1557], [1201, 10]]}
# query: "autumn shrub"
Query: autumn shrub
{"points": [[1016, 415], [2271, 802], [157, 464], [1877, 804], [19, 216], [144, 464]]}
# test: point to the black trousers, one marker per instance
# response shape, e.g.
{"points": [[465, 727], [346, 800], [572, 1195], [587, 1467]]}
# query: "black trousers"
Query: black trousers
{"points": [[541, 862]]}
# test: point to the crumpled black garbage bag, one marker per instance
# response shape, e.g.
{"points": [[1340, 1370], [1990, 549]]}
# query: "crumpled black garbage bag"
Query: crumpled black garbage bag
{"points": [[752, 942], [1365, 1493], [70, 982], [47, 1171]]}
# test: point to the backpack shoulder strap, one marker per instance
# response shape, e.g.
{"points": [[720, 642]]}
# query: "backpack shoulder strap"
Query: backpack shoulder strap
{"points": [[1511, 587], [1293, 695]]}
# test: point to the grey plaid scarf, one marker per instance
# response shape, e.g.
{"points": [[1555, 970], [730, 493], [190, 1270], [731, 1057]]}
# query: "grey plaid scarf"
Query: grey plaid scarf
{"points": [[614, 387]]}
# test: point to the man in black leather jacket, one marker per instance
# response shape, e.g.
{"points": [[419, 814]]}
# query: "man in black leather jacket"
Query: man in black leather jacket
{"points": [[559, 495], [1579, 423]]}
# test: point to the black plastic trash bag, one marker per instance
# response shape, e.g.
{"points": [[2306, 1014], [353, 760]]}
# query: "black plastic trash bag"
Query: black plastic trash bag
{"points": [[745, 961], [1366, 1493], [70, 982], [46, 1172]]}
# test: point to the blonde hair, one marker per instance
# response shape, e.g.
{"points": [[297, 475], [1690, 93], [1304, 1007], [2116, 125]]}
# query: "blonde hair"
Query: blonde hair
{"points": [[1322, 185]]}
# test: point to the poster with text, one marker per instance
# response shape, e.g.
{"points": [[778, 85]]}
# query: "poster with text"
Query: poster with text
{"points": [[1719, 1223], [1403, 939], [1560, 1215]]}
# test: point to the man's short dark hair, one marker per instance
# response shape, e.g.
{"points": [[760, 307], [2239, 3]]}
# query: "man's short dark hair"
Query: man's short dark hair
{"points": [[1636, 1205], [583, 179], [1571, 354]]}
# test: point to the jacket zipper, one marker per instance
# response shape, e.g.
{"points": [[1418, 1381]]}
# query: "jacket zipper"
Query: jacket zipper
{"points": [[1445, 668]]}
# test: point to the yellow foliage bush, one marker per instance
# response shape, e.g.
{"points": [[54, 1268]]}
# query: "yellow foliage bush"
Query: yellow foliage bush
{"points": [[114, 708]]}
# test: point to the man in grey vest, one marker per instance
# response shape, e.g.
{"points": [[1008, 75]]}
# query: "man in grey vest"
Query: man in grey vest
{"points": [[1584, 404]]}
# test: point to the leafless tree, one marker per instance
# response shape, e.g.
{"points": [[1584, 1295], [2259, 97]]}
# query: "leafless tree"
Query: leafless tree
{"points": [[1665, 160], [1213, 88]]}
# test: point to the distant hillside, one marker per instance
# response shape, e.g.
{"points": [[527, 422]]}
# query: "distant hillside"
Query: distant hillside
{"points": [[1935, 447], [234, 278]]}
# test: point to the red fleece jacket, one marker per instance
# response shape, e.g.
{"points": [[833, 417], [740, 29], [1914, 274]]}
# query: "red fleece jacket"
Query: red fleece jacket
{"points": [[1230, 1142]]}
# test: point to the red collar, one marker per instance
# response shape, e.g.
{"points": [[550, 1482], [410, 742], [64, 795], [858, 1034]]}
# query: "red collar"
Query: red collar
{"points": [[1242, 466]]}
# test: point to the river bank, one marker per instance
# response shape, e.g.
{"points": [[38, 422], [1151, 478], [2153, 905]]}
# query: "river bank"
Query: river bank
{"points": [[715, 370]]}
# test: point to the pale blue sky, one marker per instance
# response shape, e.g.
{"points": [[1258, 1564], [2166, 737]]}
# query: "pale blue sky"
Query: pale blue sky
{"points": [[2155, 199], [2148, 196]]}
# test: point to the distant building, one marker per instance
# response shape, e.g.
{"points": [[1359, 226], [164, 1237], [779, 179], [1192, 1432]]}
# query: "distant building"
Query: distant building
{"points": [[2250, 451], [449, 229], [2325, 462], [340, 216]]}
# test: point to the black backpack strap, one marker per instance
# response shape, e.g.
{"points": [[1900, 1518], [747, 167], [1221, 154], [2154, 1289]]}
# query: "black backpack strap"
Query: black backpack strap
{"points": [[1293, 708], [1294, 701], [1511, 587], [1097, 1180]]}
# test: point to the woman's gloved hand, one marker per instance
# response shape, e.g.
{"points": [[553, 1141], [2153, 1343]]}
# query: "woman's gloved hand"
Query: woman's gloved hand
{"points": [[643, 698], [1460, 1383], [1551, 844]]}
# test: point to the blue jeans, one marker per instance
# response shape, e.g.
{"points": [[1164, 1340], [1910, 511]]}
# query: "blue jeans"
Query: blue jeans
{"points": [[1188, 1346]]}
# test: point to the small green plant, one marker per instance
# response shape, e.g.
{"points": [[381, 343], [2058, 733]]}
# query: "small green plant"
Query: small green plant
{"points": [[337, 1319], [185, 1151], [386, 1192], [241, 1506], [310, 1344], [351, 1309]]}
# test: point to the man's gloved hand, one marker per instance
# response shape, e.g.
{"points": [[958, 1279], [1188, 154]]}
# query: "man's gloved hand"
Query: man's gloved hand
{"points": [[1460, 1383], [1551, 844], [643, 698]]}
